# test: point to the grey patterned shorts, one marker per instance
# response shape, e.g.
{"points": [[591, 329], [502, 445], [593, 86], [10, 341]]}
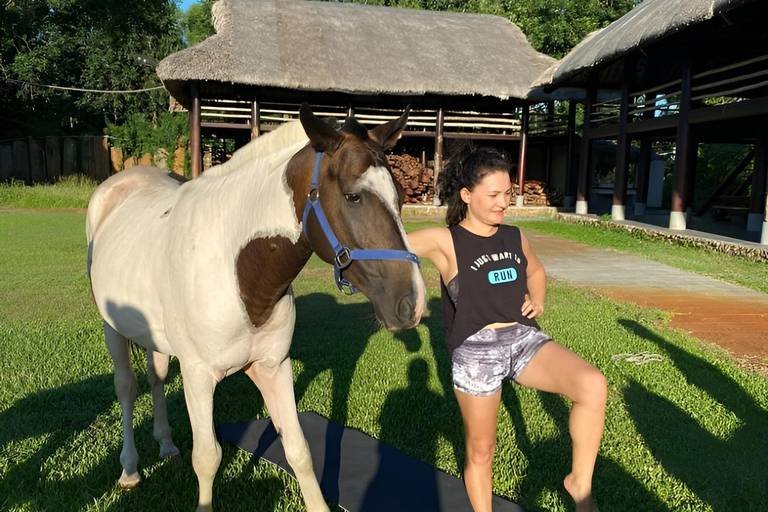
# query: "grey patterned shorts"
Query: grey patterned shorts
{"points": [[485, 359]]}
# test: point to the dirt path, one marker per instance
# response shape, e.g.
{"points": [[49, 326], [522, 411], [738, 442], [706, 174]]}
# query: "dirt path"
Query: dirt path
{"points": [[734, 317]]}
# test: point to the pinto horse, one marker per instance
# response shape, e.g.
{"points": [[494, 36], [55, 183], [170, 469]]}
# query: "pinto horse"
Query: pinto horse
{"points": [[203, 271]]}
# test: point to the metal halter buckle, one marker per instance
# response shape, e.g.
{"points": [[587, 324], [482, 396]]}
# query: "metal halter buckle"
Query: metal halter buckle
{"points": [[343, 258]]}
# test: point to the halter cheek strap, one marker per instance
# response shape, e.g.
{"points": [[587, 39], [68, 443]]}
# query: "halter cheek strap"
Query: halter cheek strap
{"points": [[344, 256]]}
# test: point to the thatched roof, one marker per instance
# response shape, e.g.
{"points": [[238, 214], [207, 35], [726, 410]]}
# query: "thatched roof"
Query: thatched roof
{"points": [[650, 21], [358, 49]]}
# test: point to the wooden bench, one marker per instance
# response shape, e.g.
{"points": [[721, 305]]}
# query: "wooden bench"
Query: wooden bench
{"points": [[728, 205]]}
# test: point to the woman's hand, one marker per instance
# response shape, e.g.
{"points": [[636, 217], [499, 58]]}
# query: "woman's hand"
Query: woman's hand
{"points": [[532, 309]]}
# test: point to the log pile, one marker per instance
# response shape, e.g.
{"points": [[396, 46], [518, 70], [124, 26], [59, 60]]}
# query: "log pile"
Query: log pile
{"points": [[416, 179], [536, 193]]}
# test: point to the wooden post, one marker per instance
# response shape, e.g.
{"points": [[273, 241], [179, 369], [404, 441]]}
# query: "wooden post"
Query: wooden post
{"points": [[759, 178], [52, 158], [585, 161], [255, 119], [643, 175], [195, 135], [6, 162], [36, 150], [549, 128], [69, 156], [350, 110], [682, 171], [618, 210], [21, 161], [439, 121], [522, 157], [100, 158], [570, 175]]}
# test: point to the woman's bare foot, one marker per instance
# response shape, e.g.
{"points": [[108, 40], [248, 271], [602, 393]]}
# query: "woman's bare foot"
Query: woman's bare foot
{"points": [[581, 494]]}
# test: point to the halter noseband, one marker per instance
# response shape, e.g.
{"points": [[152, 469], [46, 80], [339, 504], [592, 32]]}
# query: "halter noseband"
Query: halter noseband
{"points": [[344, 255]]}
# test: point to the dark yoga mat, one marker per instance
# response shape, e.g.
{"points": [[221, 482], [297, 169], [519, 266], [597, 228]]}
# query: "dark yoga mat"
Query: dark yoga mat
{"points": [[358, 472]]}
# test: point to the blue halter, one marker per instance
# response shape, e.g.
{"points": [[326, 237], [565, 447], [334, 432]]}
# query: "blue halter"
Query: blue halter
{"points": [[344, 255]]}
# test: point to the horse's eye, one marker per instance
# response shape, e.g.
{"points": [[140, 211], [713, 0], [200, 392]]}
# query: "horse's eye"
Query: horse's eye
{"points": [[353, 198]]}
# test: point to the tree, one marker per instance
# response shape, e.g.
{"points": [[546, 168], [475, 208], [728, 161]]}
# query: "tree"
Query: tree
{"points": [[197, 23], [89, 44]]}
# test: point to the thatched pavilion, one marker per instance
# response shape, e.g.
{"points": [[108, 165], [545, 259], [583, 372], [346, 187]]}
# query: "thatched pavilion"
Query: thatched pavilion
{"points": [[689, 71], [465, 75]]}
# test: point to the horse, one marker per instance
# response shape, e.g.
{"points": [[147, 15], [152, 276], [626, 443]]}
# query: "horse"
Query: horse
{"points": [[202, 271]]}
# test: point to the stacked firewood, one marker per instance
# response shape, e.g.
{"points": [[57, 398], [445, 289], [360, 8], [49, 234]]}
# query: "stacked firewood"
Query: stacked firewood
{"points": [[416, 179], [537, 193]]}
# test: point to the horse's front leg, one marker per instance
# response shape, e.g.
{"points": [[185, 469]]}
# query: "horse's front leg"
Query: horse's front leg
{"points": [[276, 386], [199, 385]]}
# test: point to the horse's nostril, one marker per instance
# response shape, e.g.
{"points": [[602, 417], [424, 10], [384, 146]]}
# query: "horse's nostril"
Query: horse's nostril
{"points": [[405, 308]]}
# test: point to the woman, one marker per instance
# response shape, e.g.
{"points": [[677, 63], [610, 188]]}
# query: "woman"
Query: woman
{"points": [[493, 288]]}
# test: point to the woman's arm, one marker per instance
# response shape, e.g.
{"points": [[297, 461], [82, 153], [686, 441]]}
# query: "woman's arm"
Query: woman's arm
{"points": [[537, 282], [430, 243]]}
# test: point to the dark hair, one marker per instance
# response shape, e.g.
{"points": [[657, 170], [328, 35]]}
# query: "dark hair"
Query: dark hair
{"points": [[467, 166]]}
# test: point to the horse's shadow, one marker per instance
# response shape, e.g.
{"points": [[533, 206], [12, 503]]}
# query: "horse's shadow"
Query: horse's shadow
{"points": [[725, 470], [78, 427]]}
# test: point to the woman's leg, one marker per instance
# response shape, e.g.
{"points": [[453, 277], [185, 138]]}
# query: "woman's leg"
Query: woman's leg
{"points": [[556, 369], [479, 414]]}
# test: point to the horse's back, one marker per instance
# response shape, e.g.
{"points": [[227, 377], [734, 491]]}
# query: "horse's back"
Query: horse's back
{"points": [[111, 194]]}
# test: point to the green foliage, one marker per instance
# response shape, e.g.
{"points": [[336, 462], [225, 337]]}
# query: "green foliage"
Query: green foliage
{"points": [[89, 44], [714, 163], [196, 23], [139, 135]]}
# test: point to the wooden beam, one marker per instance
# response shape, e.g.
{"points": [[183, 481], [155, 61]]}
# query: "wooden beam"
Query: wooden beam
{"points": [[582, 189], [618, 210], [570, 172], [439, 125], [522, 157], [195, 135], [682, 171], [255, 119]]}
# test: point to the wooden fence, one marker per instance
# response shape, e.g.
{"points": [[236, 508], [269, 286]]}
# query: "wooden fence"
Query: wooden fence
{"points": [[41, 160]]}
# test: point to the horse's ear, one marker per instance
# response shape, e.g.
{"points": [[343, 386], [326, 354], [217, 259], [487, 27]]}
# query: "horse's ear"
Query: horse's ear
{"points": [[322, 136], [388, 134], [353, 126]]}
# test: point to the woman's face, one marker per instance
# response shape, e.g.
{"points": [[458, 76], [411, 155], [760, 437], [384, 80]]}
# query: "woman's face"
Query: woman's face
{"points": [[490, 198]]}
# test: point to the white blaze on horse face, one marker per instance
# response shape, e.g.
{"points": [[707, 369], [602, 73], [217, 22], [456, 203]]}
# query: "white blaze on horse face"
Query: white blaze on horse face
{"points": [[378, 181]]}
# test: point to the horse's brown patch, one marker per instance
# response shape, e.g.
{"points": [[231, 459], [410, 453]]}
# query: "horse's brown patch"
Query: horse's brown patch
{"points": [[265, 269]]}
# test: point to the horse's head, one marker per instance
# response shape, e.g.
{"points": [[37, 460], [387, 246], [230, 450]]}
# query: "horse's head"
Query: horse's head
{"points": [[362, 201]]}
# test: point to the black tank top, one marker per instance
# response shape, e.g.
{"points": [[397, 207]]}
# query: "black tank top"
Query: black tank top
{"points": [[492, 283]]}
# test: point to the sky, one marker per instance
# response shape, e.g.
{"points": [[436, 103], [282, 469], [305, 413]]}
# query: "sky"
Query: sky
{"points": [[184, 4]]}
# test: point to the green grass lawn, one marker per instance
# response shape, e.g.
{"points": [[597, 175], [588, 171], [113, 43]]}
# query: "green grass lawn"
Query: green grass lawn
{"points": [[686, 434], [71, 192], [732, 269]]}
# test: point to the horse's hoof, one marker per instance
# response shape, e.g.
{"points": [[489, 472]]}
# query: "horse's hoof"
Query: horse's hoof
{"points": [[128, 482], [172, 453], [174, 458]]}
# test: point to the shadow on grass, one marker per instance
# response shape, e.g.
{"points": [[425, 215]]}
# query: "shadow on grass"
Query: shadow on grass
{"points": [[727, 473]]}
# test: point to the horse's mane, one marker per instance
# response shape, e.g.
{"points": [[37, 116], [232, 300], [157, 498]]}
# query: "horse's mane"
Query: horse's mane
{"points": [[282, 137]]}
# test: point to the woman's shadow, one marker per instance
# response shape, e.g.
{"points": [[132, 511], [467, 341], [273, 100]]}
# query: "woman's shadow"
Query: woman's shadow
{"points": [[728, 471]]}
